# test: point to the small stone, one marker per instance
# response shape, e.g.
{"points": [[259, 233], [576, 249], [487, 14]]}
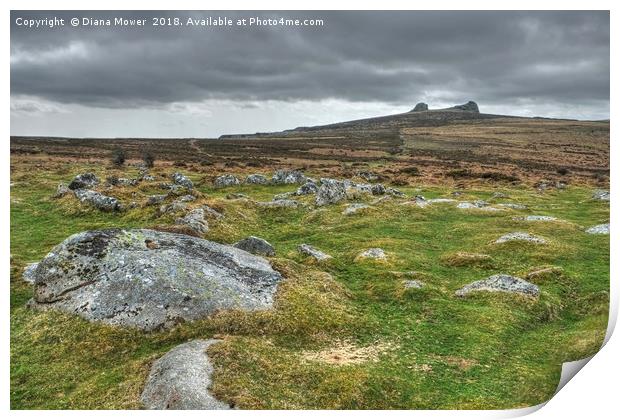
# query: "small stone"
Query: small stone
{"points": [[236, 196], [536, 218], [513, 206], [154, 200], [256, 179], [61, 190], [601, 195], [412, 284], [501, 283], [195, 220], [283, 176], [354, 208], [186, 198], [308, 188], [378, 189], [172, 208], [311, 251], [84, 181], [182, 180], [394, 192], [227, 180], [372, 253], [180, 380], [331, 191], [282, 203], [599, 229], [256, 246], [368, 176], [520, 236], [97, 200]]}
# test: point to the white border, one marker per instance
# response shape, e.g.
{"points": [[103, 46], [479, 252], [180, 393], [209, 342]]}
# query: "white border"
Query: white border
{"points": [[593, 393]]}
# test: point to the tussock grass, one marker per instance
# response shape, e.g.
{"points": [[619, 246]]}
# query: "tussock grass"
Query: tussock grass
{"points": [[485, 351]]}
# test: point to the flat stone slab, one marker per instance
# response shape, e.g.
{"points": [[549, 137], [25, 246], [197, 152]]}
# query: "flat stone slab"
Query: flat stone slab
{"points": [[354, 208], [500, 283], [311, 251], [150, 279], [536, 218], [520, 236], [256, 246], [373, 254], [180, 380], [599, 229]]}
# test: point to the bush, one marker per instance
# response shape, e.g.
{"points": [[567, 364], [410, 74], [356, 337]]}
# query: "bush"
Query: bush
{"points": [[149, 159], [118, 157]]}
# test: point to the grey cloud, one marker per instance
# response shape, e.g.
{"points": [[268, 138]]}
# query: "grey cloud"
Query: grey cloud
{"points": [[389, 57]]}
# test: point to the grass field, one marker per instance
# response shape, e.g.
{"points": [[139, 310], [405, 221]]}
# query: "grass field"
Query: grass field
{"points": [[342, 334]]}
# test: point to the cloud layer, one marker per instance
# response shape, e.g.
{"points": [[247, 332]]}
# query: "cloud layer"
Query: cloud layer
{"points": [[540, 61]]}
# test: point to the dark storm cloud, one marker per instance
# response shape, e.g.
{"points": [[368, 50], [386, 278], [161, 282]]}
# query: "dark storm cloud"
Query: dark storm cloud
{"points": [[391, 57]]}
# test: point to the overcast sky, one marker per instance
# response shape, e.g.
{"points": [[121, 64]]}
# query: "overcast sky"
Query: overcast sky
{"points": [[94, 81]]}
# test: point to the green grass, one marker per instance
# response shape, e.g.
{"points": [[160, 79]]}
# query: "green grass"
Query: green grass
{"points": [[439, 351]]}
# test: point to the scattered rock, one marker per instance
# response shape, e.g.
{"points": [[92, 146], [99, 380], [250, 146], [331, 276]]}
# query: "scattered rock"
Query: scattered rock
{"points": [[149, 279], [180, 380], [84, 181], [354, 208], [182, 180], [368, 176], [172, 208], [195, 220], [419, 107], [236, 196], [499, 195], [308, 188], [256, 246], [331, 191], [256, 179], [61, 190], [412, 284], [535, 218], [282, 203], [599, 229], [227, 180], [441, 200], [372, 253], [394, 192], [154, 200], [501, 283], [283, 176], [29, 270], [477, 205], [602, 195], [125, 182], [520, 236], [513, 206], [147, 177], [97, 200], [212, 212], [313, 252], [186, 198]]}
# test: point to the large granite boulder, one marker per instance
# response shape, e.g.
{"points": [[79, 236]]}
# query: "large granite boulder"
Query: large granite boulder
{"points": [[180, 380], [149, 279], [84, 181], [500, 283], [97, 200]]}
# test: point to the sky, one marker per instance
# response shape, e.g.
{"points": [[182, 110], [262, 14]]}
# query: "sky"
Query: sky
{"points": [[203, 81]]}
